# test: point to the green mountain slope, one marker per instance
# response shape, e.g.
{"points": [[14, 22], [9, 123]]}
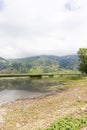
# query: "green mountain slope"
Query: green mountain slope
{"points": [[39, 64], [69, 62], [2, 60], [3, 63]]}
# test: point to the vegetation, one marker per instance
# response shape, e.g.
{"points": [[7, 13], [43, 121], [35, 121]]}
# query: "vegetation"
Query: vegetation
{"points": [[39, 64], [83, 60], [69, 62], [68, 123]]}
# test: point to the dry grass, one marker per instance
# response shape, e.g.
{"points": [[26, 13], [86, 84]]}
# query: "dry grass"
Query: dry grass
{"points": [[39, 113]]}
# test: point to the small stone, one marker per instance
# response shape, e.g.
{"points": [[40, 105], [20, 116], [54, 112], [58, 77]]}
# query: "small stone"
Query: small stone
{"points": [[84, 109], [1, 120], [17, 125], [78, 99]]}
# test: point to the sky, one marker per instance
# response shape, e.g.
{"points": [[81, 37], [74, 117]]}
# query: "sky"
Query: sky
{"points": [[42, 27]]}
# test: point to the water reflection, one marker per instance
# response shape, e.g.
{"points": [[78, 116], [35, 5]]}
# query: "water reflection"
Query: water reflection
{"points": [[12, 89]]}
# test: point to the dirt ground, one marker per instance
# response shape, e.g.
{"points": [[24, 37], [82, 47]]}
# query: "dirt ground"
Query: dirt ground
{"points": [[37, 113]]}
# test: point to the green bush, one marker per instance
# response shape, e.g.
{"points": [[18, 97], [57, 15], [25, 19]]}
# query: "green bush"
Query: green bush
{"points": [[68, 123]]}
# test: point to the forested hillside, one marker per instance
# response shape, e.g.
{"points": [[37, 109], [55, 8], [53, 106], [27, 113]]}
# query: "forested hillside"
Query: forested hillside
{"points": [[69, 62], [39, 64]]}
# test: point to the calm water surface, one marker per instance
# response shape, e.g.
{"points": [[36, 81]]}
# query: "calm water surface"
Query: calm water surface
{"points": [[13, 89], [11, 95]]}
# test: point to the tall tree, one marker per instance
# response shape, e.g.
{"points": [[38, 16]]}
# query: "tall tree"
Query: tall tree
{"points": [[82, 53]]}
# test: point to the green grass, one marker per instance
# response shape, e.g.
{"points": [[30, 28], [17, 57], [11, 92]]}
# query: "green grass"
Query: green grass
{"points": [[68, 123]]}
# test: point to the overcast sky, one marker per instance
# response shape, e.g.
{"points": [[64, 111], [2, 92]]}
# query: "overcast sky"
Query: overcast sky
{"points": [[37, 27]]}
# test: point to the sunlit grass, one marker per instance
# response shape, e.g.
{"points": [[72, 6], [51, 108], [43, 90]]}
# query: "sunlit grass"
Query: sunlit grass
{"points": [[68, 123]]}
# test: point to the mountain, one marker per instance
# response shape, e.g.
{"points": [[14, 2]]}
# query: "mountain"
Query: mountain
{"points": [[3, 63], [39, 64], [69, 62], [2, 60]]}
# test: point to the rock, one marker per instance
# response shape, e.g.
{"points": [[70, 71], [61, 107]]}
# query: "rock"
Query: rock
{"points": [[1, 120], [84, 109], [78, 99], [18, 125]]}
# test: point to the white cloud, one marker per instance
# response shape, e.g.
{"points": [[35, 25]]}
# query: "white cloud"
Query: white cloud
{"points": [[1, 5], [30, 27], [71, 5]]}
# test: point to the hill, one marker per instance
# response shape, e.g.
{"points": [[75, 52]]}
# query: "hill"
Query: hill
{"points": [[39, 64], [2, 60], [69, 62], [3, 63]]}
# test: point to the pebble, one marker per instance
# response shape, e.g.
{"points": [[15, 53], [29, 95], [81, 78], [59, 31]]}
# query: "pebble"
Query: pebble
{"points": [[18, 125], [84, 109], [78, 99], [1, 120]]}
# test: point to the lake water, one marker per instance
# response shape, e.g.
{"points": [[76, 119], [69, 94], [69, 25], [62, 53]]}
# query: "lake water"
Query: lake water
{"points": [[11, 95], [13, 89]]}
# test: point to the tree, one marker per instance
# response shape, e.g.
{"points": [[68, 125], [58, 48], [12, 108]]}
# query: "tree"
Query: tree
{"points": [[82, 53]]}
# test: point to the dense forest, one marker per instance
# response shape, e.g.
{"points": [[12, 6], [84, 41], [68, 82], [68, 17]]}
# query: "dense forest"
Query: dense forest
{"points": [[39, 64]]}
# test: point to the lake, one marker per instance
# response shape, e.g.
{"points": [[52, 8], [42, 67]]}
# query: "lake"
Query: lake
{"points": [[18, 88]]}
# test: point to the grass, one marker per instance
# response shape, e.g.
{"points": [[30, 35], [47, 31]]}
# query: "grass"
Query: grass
{"points": [[68, 123]]}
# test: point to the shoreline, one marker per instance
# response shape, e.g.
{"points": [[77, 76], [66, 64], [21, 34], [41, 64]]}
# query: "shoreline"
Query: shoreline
{"points": [[44, 94]]}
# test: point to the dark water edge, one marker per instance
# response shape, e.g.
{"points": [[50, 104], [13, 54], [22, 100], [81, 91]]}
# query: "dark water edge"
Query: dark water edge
{"points": [[19, 88]]}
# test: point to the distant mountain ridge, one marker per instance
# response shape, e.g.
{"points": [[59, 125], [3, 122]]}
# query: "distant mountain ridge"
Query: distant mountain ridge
{"points": [[2, 60], [41, 64]]}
